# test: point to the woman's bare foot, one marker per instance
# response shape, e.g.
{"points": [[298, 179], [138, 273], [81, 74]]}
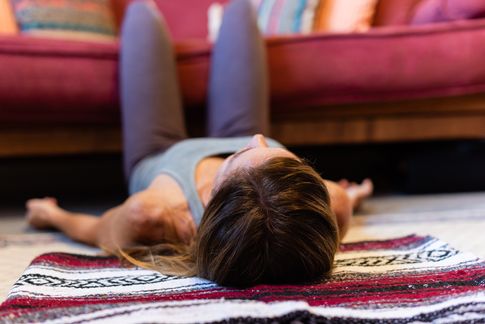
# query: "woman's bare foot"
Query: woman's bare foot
{"points": [[42, 213], [357, 192]]}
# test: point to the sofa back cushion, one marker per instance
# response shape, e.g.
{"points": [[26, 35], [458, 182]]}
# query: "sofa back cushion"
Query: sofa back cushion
{"points": [[187, 19], [73, 19], [395, 12], [8, 25], [431, 11]]}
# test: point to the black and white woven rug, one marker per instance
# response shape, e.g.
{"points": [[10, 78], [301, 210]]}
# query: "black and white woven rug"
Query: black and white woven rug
{"points": [[403, 280]]}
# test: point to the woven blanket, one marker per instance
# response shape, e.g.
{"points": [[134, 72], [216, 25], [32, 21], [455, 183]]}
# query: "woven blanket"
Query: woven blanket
{"points": [[409, 279]]}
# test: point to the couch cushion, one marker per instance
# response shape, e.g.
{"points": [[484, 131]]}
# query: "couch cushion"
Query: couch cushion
{"points": [[396, 63], [394, 12], [46, 80], [77, 82], [187, 19], [381, 65], [431, 11]]}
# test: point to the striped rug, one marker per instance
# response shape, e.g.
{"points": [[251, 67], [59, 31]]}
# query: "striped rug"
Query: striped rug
{"points": [[402, 280]]}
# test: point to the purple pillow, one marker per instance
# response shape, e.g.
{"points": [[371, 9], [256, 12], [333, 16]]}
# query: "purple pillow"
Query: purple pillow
{"points": [[431, 11]]}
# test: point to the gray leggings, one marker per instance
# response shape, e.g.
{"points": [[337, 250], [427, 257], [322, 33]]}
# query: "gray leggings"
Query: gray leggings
{"points": [[152, 112]]}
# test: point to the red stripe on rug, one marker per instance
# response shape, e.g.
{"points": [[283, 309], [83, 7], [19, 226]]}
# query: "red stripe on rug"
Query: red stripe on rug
{"points": [[77, 261], [401, 243]]}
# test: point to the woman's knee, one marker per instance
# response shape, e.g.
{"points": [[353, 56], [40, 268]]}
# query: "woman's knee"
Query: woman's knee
{"points": [[242, 8], [142, 13]]}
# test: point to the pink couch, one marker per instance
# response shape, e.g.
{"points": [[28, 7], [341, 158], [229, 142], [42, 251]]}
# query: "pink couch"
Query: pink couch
{"points": [[396, 82]]}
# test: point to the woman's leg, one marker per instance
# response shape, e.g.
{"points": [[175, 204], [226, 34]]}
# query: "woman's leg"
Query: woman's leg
{"points": [[238, 100], [151, 104]]}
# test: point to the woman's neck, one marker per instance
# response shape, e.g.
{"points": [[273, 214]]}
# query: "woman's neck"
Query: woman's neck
{"points": [[205, 173]]}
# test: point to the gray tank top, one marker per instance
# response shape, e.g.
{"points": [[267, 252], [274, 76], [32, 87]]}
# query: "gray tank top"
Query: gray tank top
{"points": [[180, 162]]}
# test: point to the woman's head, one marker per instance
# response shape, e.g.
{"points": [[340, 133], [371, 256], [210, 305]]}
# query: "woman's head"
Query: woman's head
{"points": [[268, 223]]}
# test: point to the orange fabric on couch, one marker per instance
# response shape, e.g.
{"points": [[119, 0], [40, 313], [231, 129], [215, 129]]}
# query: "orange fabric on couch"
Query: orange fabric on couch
{"points": [[345, 15], [8, 25]]}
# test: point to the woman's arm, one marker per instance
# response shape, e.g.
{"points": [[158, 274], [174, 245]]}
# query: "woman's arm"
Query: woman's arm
{"points": [[144, 218]]}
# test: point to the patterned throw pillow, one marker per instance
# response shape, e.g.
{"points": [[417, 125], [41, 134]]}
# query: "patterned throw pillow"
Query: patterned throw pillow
{"points": [[274, 16], [285, 16], [8, 25], [73, 19], [305, 16]]}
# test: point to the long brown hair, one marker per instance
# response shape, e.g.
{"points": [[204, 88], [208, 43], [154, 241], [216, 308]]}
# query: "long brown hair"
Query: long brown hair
{"points": [[268, 224]]}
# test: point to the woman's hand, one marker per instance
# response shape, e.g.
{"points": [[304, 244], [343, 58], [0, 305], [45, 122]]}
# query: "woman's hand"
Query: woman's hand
{"points": [[346, 197], [357, 192], [146, 218]]}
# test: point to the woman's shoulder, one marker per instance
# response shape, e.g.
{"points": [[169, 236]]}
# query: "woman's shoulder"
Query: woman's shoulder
{"points": [[214, 145], [169, 191]]}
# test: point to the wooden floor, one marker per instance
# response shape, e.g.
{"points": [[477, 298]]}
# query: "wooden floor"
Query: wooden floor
{"points": [[458, 219]]}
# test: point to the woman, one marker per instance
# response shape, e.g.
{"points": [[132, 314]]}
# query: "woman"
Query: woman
{"points": [[258, 215]]}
